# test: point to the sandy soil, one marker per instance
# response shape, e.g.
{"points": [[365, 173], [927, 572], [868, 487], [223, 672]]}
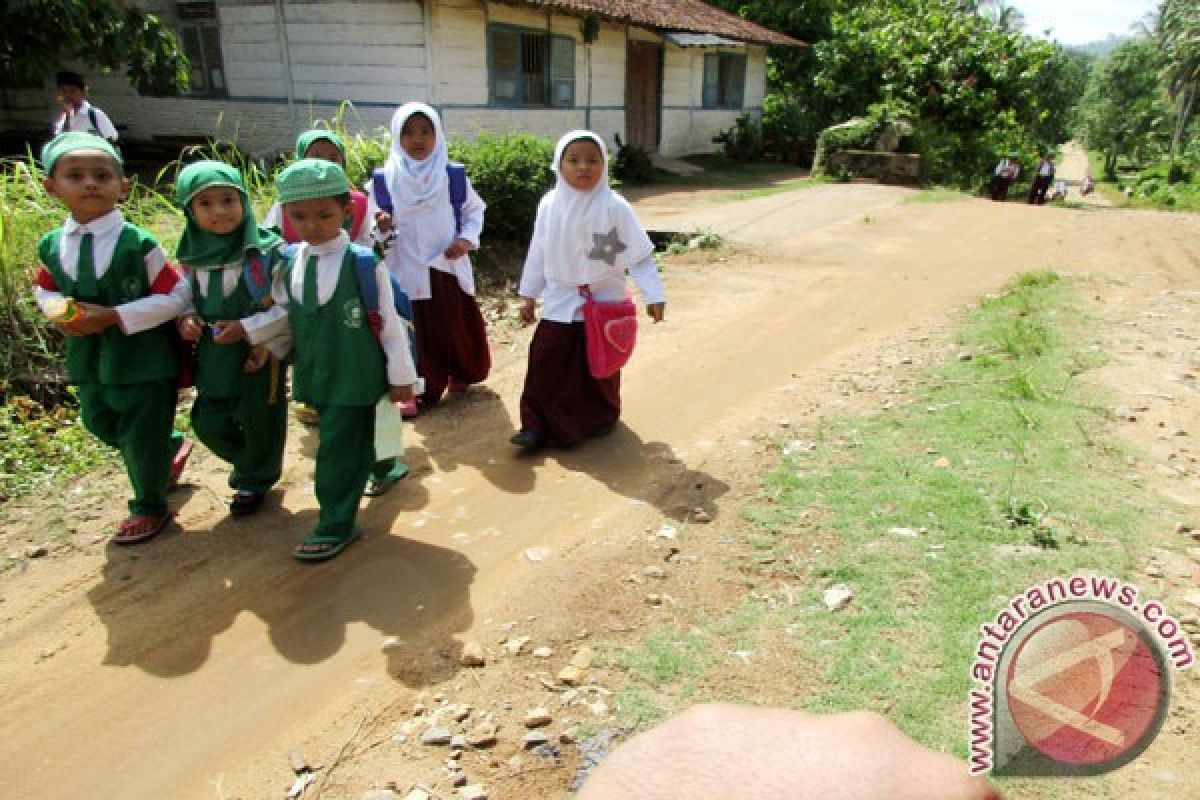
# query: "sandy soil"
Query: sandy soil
{"points": [[191, 666]]}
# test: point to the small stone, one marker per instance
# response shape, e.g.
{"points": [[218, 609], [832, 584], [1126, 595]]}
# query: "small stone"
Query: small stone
{"points": [[701, 516], [458, 778], [965, 356], [419, 708], [583, 657], [1154, 571], [458, 742], [598, 709], [667, 532], [436, 737], [654, 600], [460, 712], [838, 597], [1183, 527], [570, 675], [536, 555], [392, 643], [475, 791], [657, 573], [534, 739], [515, 645], [417, 794], [942, 463], [299, 764], [537, 718], [567, 737], [907, 533], [482, 736], [472, 655], [543, 652]]}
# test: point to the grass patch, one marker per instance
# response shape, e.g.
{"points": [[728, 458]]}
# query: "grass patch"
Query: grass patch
{"points": [[40, 446], [998, 475], [938, 194], [792, 185]]}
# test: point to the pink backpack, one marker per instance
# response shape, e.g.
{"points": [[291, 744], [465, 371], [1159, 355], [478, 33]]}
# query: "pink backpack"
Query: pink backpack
{"points": [[611, 330]]}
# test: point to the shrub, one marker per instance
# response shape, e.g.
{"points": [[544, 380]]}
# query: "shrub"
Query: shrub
{"points": [[632, 164], [789, 128], [510, 173], [744, 141]]}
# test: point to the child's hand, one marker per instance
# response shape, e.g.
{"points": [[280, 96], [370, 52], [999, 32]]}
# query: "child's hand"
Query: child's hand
{"points": [[190, 327], [94, 319], [656, 311], [528, 307], [259, 356], [383, 221], [400, 394], [457, 249], [228, 332]]}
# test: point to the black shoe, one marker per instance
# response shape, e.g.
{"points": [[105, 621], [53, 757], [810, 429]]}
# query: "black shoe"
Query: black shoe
{"points": [[528, 439], [604, 430], [246, 503]]}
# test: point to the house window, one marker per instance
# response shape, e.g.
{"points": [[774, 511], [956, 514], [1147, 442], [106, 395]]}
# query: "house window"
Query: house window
{"points": [[201, 39], [530, 69], [724, 80]]}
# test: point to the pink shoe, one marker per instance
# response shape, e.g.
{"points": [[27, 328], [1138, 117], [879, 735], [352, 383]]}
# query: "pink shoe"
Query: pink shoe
{"points": [[179, 462], [408, 409]]}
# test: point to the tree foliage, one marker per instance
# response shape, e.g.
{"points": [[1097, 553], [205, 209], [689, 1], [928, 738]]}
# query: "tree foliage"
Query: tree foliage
{"points": [[37, 37], [1178, 31], [1125, 113]]}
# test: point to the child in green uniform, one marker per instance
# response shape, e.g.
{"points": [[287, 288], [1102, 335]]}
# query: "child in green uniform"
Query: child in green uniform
{"points": [[106, 284], [240, 411], [345, 358]]}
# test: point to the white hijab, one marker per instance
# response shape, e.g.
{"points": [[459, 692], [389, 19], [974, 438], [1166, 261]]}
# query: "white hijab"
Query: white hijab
{"points": [[411, 182], [583, 231]]}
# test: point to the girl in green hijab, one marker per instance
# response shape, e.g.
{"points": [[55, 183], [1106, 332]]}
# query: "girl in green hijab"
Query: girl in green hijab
{"points": [[241, 339], [327, 146]]}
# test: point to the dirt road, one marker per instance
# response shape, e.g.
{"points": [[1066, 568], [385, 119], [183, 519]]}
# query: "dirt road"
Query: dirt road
{"points": [[186, 667]]}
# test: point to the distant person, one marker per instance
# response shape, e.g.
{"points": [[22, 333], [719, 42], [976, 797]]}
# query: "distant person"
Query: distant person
{"points": [[585, 237], [717, 752], [77, 114], [1088, 185], [1004, 175], [1060, 191], [1042, 180]]}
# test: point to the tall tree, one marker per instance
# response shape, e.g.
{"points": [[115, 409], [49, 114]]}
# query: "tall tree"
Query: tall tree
{"points": [[1124, 112], [1178, 31], [38, 36]]}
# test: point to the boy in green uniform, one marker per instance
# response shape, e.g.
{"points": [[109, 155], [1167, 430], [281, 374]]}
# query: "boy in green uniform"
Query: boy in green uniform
{"points": [[106, 284], [345, 358], [240, 411]]}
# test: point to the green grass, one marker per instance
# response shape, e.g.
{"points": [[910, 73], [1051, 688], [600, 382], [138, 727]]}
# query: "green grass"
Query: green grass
{"points": [[792, 185], [937, 194], [1008, 447]]}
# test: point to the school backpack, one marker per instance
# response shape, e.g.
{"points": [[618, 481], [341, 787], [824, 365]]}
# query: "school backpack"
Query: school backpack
{"points": [[456, 175], [257, 276]]}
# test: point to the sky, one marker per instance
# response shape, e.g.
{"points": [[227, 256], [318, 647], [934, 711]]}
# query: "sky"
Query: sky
{"points": [[1082, 21]]}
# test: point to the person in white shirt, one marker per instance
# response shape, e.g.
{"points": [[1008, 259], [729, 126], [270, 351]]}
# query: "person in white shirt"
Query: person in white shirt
{"points": [[77, 113], [1042, 180], [585, 237], [1004, 175]]}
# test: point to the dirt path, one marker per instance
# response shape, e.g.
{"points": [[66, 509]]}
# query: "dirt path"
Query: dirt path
{"points": [[189, 667]]}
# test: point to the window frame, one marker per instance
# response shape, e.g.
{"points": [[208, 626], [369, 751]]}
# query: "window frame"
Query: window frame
{"points": [[557, 50], [202, 26], [727, 90]]}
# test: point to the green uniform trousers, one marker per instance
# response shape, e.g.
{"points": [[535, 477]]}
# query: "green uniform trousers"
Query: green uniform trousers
{"points": [[345, 456], [247, 430], [136, 418]]}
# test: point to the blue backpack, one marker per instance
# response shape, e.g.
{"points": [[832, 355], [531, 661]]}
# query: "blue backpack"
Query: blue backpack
{"points": [[457, 182]]}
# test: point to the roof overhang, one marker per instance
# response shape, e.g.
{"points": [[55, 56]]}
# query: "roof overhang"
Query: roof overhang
{"points": [[685, 39]]}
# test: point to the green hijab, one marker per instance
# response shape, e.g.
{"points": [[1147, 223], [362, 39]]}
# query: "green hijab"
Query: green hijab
{"points": [[200, 248], [308, 137]]}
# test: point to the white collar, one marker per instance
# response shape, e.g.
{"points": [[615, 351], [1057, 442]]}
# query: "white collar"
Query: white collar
{"points": [[334, 245], [98, 226]]}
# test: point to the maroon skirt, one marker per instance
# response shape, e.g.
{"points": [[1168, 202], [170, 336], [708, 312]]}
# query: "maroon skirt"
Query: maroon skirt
{"points": [[561, 400], [451, 337]]}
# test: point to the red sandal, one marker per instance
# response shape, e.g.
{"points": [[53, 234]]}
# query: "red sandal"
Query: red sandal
{"points": [[138, 529], [179, 461]]}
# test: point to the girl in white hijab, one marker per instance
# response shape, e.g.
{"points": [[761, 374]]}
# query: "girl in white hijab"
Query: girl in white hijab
{"points": [[585, 235], [426, 251]]}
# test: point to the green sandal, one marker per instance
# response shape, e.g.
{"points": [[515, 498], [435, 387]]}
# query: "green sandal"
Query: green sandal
{"points": [[379, 485], [329, 546]]}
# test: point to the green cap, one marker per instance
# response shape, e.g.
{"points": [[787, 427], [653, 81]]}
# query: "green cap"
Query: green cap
{"points": [[307, 138], [310, 178], [69, 142]]}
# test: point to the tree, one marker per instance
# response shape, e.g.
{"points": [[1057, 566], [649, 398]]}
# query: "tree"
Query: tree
{"points": [[38, 36], [1124, 112], [1178, 32]]}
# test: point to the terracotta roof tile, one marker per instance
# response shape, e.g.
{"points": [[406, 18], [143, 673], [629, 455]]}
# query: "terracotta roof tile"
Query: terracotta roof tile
{"points": [[674, 15]]}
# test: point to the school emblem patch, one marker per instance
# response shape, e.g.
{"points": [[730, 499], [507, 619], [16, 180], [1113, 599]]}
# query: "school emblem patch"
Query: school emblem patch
{"points": [[131, 289], [352, 314]]}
